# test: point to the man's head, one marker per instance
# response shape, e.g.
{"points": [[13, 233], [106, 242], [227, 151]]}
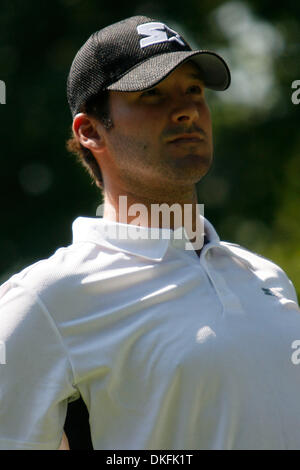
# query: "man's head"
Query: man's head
{"points": [[124, 60]]}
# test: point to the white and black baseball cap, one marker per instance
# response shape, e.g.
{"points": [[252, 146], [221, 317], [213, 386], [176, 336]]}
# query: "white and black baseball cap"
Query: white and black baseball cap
{"points": [[133, 55]]}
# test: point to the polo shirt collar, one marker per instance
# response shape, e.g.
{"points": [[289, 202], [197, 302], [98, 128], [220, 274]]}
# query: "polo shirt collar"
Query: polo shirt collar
{"points": [[148, 242]]}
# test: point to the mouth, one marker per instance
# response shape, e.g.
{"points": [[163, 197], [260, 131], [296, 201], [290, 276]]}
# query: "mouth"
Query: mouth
{"points": [[187, 139]]}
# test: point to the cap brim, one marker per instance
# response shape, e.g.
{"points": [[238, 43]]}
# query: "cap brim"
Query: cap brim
{"points": [[216, 74]]}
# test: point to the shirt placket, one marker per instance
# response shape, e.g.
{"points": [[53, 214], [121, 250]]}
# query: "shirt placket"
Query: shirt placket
{"points": [[229, 300]]}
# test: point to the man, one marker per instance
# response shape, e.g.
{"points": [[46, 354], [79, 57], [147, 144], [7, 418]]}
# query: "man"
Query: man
{"points": [[169, 347]]}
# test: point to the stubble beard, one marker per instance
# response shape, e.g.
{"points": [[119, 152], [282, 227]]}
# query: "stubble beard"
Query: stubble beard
{"points": [[157, 171]]}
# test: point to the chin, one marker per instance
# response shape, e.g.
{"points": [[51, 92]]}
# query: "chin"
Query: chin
{"points": [[194, 163]]}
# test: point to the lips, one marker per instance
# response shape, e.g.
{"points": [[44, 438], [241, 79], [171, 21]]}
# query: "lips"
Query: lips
{"points": [[186, 138]]}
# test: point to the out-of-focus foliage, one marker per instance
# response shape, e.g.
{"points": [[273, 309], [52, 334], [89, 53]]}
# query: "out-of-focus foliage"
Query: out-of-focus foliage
{"points": [[252, 192]]}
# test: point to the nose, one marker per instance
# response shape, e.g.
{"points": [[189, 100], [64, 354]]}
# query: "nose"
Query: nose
{"points": [[186, 111]]}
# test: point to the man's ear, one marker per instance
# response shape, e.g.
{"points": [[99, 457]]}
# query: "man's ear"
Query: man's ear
{"points": [[88, 132]]}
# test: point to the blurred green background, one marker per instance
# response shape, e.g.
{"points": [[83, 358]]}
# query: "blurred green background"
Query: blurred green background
{"points": [[252, 192]]}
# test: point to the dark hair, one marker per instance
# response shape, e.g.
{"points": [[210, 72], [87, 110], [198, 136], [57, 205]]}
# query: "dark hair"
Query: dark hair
{"points": [[98, 107]]}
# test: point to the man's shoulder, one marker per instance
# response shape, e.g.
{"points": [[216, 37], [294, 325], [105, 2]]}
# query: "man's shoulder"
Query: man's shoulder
{"points": [[58, 269], [264, 268], [256, 260]]}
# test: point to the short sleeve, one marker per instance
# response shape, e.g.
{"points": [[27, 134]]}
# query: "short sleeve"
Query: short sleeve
{"points": [[36, 376]]}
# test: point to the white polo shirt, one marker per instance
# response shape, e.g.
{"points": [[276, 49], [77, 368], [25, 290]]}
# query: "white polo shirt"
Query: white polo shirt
{"points": [[168, 350]]}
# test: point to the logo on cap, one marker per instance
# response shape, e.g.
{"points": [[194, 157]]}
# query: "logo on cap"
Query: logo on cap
{"points": [[156, 33]]}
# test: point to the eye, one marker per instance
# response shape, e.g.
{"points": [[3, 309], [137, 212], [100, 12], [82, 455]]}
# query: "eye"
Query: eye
{"points": [[151, 92], [195, 89]]}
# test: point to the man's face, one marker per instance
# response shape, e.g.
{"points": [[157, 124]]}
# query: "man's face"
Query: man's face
{"points": [[162, 136]]}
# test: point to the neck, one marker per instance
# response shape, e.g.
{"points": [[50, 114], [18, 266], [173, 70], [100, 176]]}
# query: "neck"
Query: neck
{"points": [[166, 211]]}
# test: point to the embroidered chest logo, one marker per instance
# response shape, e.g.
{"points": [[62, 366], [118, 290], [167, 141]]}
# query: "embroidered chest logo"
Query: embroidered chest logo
{"points": [[275, 292], [267, 291], [156, 33]]}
